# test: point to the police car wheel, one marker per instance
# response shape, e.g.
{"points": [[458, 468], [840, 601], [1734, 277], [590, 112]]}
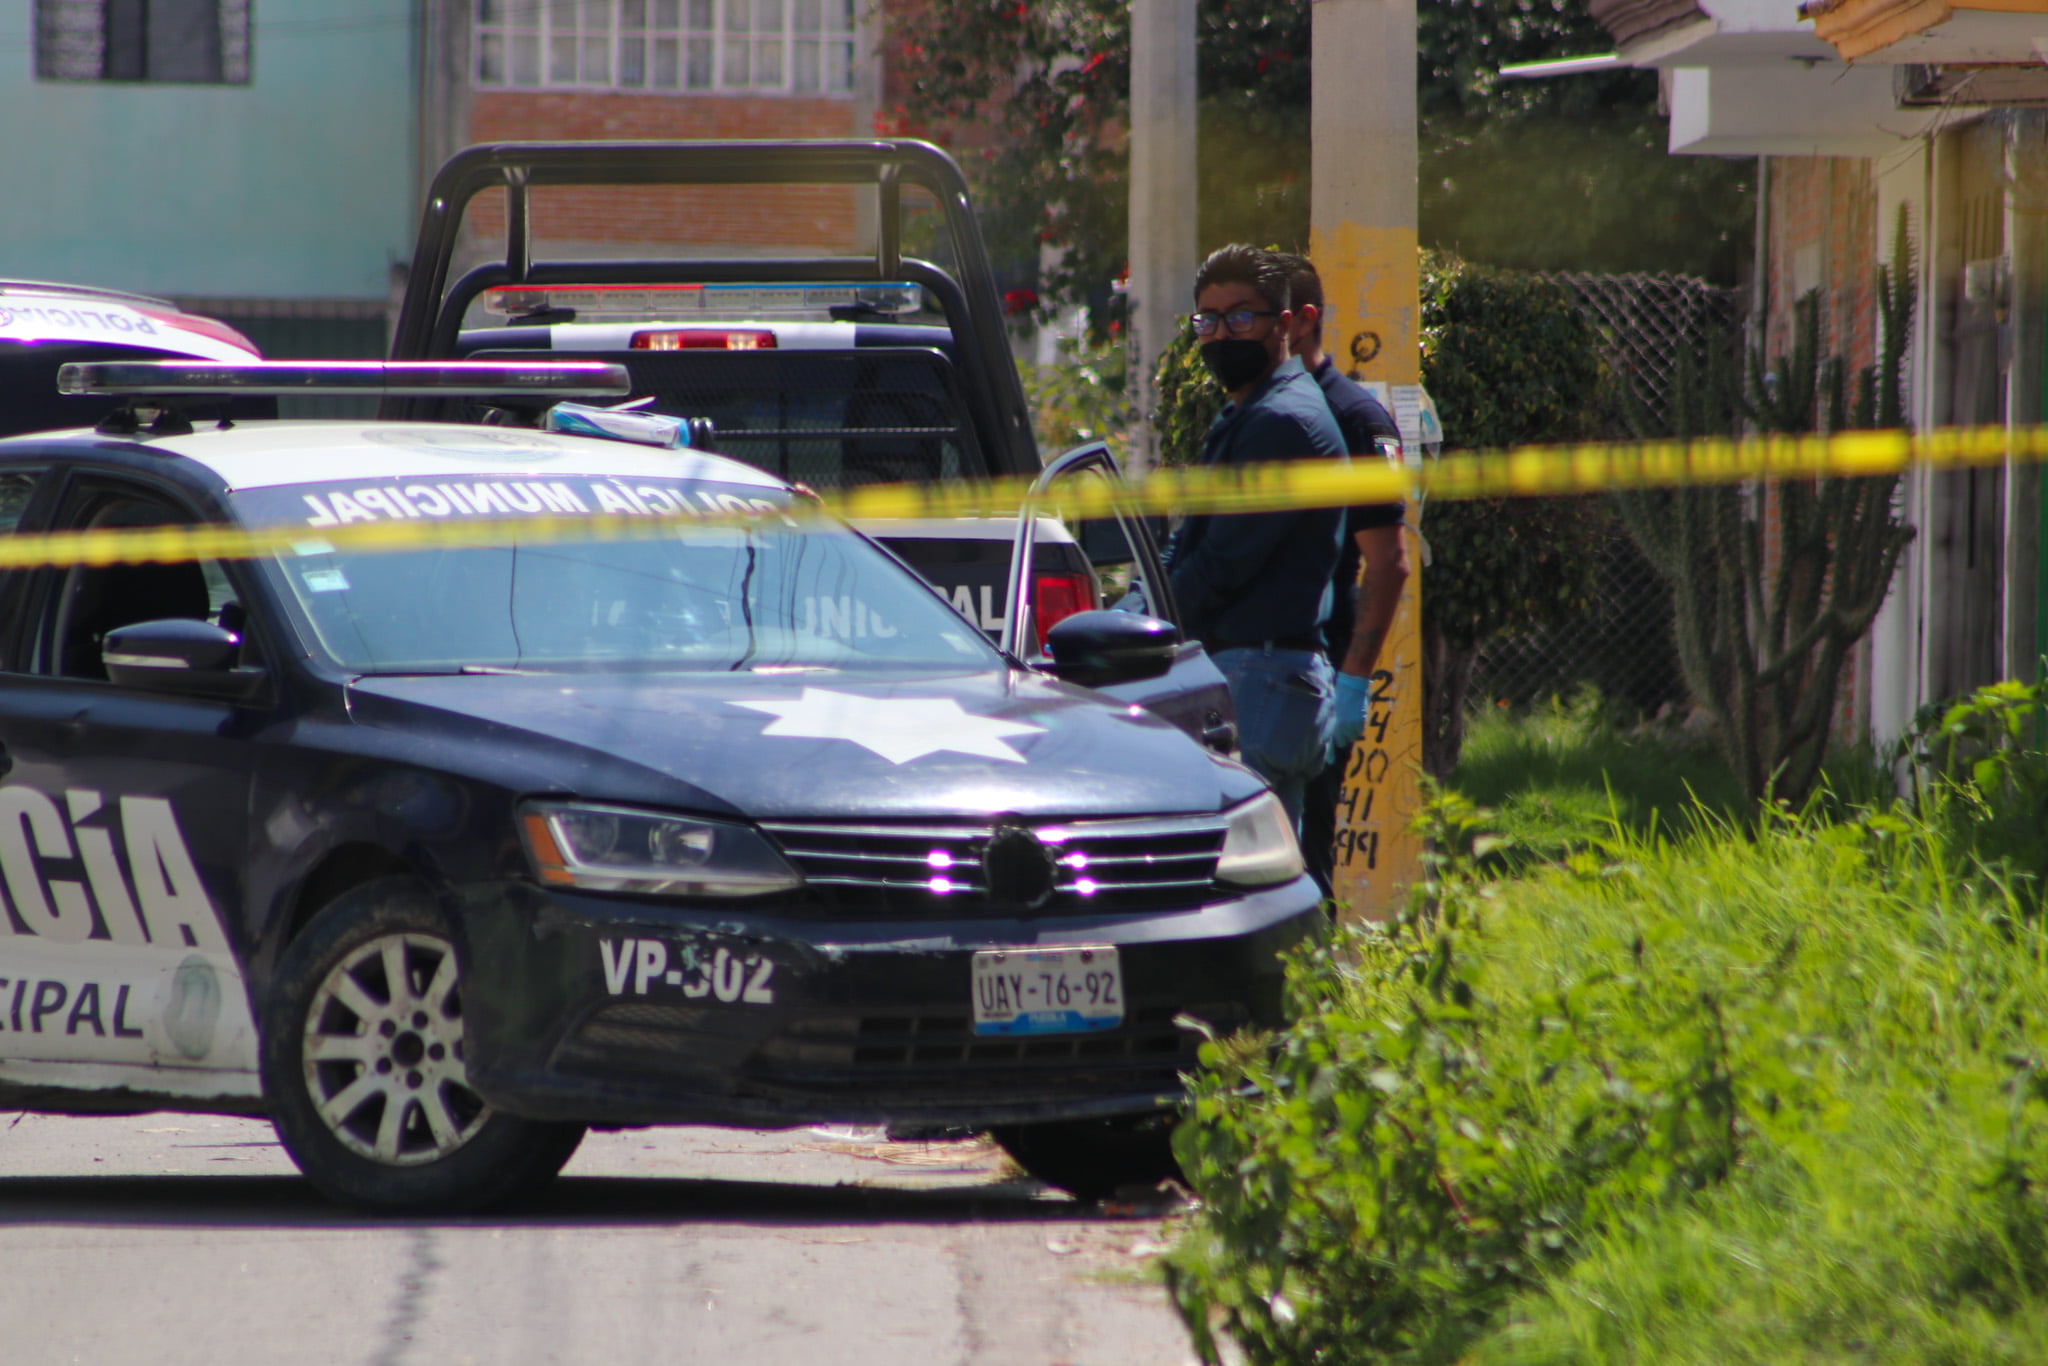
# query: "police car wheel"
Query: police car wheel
{"points": [[1095, 1159], [364, 1070]]}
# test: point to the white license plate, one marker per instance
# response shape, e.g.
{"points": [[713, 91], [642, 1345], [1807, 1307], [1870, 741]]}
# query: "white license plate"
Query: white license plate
{"points": [[1047, 991]]}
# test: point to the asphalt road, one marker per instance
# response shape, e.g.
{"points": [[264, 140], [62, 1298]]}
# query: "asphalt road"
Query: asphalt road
{"points": [[170, 1239]]}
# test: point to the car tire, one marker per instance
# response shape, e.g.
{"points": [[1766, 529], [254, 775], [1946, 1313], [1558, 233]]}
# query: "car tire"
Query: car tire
{"points": [[1095, 1159], [364, 1075]]}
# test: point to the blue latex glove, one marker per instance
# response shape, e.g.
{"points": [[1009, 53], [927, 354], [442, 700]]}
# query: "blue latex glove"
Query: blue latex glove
{"points": [[1352, 692]]}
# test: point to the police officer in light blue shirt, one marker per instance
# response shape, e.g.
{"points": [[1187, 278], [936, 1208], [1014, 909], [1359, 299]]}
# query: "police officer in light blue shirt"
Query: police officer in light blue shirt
{"points": [[1255, 588]]}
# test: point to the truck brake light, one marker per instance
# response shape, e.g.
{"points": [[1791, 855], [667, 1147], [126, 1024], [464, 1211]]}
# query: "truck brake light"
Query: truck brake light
{"points": [[705, 339]]}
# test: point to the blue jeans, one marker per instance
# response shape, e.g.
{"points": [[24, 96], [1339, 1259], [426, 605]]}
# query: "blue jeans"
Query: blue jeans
{"points": [[1285, 702]]}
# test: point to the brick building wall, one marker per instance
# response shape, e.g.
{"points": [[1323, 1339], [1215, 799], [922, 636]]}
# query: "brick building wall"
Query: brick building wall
{"points": [[485, 100], [1822, 229], [744, 220]]}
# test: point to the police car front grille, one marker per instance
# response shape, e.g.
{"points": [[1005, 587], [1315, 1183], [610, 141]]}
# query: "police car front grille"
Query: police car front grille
{"points": [[933, 869]]}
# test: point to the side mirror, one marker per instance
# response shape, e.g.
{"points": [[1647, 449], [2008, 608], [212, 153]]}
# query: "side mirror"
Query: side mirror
{"points": [[178, 655], [1097, 649]]}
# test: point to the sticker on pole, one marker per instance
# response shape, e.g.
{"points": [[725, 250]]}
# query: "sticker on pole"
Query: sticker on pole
{"points": [[1047, 991]]}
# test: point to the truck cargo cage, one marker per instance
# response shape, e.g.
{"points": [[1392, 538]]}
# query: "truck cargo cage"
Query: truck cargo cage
{"points": [[877, 285]]}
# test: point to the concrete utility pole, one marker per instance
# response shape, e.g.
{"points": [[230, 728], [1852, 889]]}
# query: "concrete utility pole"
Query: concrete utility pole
{"points": [[1163, 255], [1362, 237]]}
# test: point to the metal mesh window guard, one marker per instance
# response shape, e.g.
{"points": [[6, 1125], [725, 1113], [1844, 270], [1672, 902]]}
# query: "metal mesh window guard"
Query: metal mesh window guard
{"points": [[202, 42]]}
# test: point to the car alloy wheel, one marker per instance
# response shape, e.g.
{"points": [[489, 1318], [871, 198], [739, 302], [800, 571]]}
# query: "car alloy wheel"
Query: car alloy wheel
{"points": [[365, 1064], [383, 1052]]}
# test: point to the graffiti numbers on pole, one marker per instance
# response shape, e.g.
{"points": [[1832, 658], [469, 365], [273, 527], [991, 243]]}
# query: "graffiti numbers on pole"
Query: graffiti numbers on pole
{"points": [[1365, 772]]}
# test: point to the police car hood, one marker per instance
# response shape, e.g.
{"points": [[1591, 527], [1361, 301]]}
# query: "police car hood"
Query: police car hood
{"points": [[819, 745]]}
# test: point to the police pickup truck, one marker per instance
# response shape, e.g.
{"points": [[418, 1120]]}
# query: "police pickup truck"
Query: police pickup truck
{"points": [[829, 370], [513, 782]]}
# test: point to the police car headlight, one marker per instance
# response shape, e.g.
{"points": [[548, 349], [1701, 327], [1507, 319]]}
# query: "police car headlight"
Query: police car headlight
{"points": [[617, 849], [1259, 849]]}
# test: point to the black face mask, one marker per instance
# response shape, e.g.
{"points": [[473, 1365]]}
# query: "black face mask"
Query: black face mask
{"points": [[1236, 361]]}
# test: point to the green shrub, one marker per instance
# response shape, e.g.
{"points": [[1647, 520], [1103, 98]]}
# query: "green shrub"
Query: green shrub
{"points": [[1506, 355], [1079, 399], [1508, 360], [1982, 775], [1769, 1096], [1188, 399]]}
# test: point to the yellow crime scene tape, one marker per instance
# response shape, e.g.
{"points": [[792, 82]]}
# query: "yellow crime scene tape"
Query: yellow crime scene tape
{"points": [[1532, 471]]}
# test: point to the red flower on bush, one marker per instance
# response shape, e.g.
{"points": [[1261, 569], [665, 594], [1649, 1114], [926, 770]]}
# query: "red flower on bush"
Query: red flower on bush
{"points": [[1020, 301]]}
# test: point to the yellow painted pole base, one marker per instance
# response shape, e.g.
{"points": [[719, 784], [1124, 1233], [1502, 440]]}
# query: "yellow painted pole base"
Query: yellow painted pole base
{"points": [[1379, 855]]}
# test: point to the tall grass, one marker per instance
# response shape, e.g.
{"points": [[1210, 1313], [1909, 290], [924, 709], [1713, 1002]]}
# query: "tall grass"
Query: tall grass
{"points": [[1560, 775], [1563, 772], [1713, 1086], [1886, 1204]]}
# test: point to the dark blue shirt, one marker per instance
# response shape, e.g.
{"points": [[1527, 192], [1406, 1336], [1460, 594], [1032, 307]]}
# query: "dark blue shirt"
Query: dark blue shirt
{"points": [[1361, 418], [1244, 578]]}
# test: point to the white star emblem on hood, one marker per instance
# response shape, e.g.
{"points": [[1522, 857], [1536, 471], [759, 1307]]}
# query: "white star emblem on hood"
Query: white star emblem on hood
{"points": [[897, 728]]}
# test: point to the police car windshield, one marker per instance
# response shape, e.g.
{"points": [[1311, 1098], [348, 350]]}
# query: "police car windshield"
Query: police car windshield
{"points": [[769, 592]]}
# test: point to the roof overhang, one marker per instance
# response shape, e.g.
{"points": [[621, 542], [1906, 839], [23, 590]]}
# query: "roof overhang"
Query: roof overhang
{"points": [[1790, 109], [1930, 31], [1675, 33], [1636, 24]]}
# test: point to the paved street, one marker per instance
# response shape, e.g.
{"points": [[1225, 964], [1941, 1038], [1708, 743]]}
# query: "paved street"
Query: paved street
{"points": [[176, 1238]]}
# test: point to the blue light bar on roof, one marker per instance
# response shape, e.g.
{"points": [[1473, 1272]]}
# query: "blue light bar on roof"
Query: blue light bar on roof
{"points": [[401, 379]]}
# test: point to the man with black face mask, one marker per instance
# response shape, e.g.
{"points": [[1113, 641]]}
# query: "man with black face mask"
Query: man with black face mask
{"points": [[1255, 587]]}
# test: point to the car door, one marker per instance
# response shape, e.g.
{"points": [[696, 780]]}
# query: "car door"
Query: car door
{"points": [[1123, 570], [123, 824]]}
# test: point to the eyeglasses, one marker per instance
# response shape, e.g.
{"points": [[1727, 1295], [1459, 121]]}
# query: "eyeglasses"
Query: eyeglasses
{"points": [[1238, 322]]}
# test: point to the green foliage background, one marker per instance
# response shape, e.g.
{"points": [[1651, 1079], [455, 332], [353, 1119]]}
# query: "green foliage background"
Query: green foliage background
{"points": [[1508, 360], [1561, 174], [1566, 173], [1188, 399], [1079, 399], [1702, 1095]]}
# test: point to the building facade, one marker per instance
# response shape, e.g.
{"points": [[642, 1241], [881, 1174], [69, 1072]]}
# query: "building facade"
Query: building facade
{"points": [[516, 70], [1868, 118], [264, 160], [254, 160]]}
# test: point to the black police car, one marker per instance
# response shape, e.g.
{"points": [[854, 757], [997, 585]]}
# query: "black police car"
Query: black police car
{"points": [[438, 854]]}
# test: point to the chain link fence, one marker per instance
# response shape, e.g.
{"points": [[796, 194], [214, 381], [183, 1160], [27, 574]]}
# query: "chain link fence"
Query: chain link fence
{"points": [[1649, 321], [1622, 645]]}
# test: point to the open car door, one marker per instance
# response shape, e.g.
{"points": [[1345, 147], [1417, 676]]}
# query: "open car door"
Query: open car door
{"points": [[1123, 571]]}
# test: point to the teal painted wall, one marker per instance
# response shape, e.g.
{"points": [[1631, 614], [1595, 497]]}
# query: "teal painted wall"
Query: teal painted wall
{"points": [[297, 185]]}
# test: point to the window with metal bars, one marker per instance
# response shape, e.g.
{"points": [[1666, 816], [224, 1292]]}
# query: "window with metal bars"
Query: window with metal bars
{"points": [[193, 42], [787, 47]]}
